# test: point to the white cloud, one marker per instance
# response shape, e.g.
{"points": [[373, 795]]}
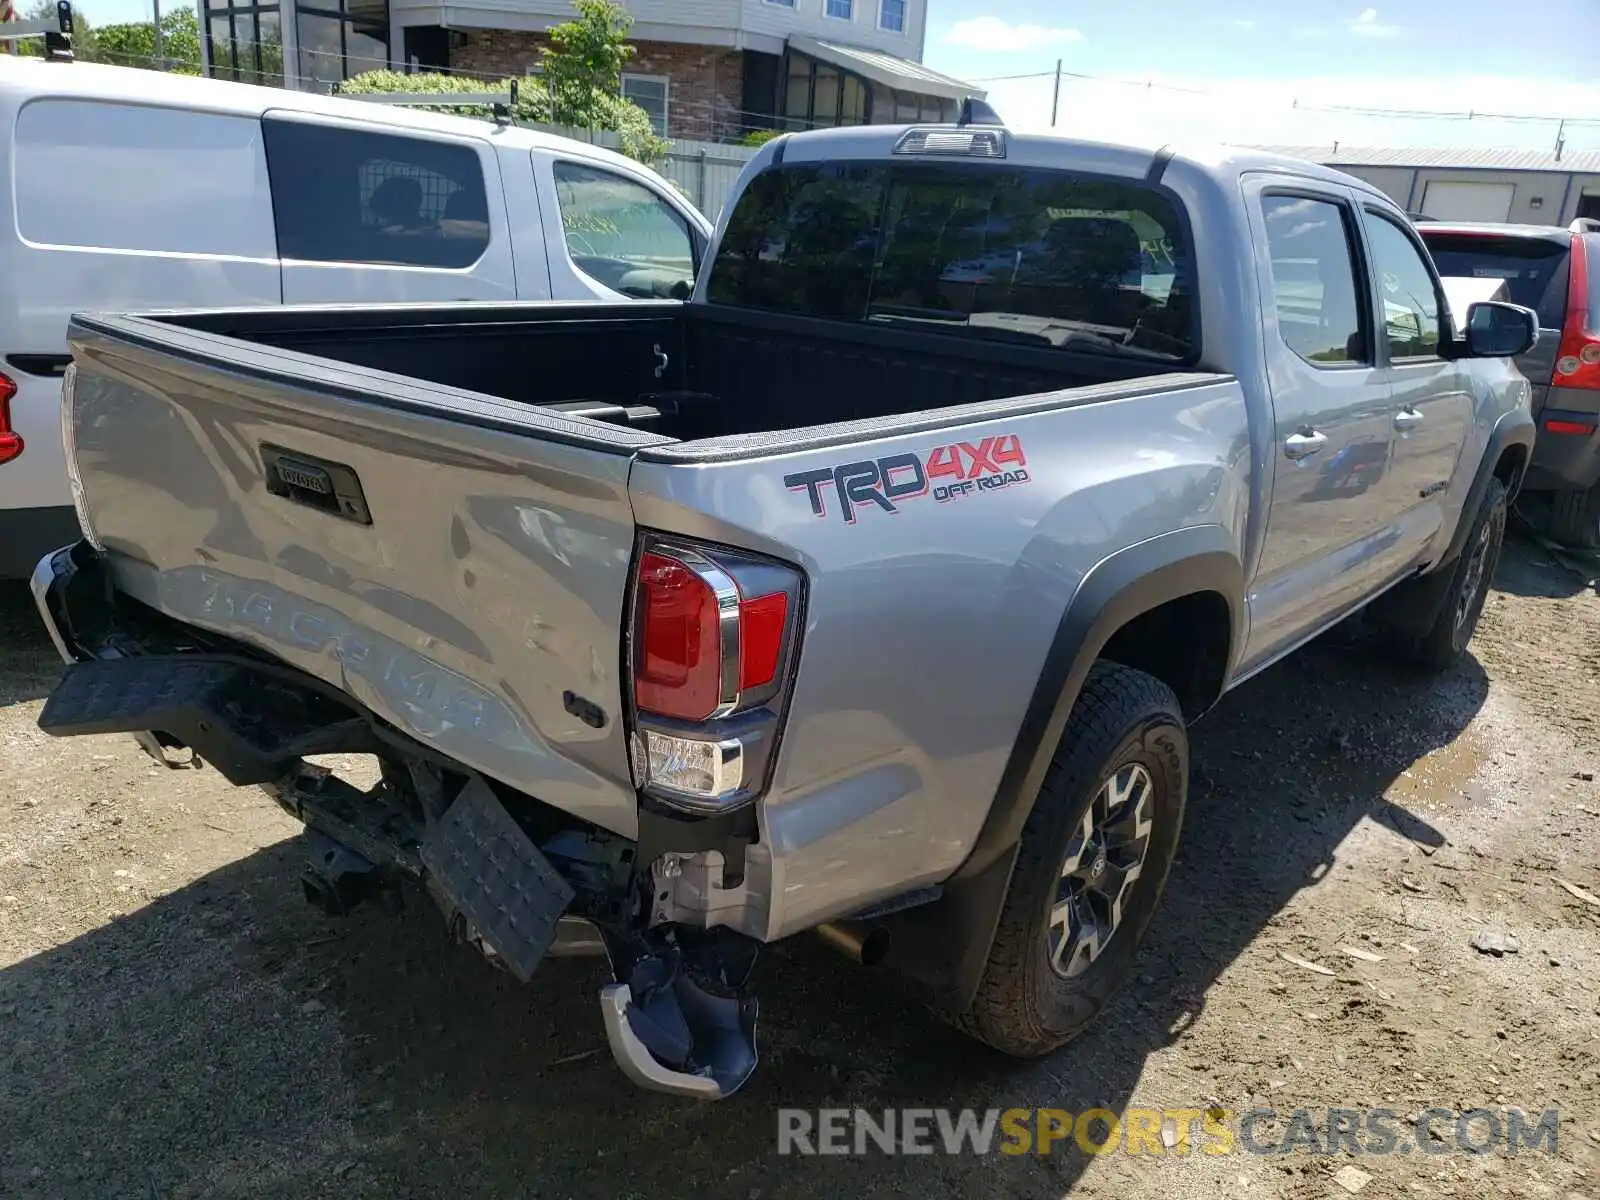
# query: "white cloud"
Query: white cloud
{"points": [[1304, 112], [995, 36], [1367, 25]]}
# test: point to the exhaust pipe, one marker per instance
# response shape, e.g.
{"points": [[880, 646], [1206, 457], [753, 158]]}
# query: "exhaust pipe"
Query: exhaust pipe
{"points": [[861, 943]]}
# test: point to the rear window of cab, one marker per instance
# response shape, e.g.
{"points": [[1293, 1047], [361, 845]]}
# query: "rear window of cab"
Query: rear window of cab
{"points": [[1015, 254]]}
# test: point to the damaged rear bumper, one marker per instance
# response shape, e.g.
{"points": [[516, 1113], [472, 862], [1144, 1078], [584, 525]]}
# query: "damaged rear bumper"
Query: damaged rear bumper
{"points": [[514, 878]]}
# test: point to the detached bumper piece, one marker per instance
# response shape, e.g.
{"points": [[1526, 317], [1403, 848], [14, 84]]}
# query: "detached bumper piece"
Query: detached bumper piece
{"points": [[679, 1018]]}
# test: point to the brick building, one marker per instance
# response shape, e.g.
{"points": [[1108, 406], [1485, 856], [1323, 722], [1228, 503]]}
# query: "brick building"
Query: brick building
{"points": [[704, 68]]}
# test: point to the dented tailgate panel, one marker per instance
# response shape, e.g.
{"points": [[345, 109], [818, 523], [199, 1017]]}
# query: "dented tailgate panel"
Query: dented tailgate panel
{"points": [[463, 578]]}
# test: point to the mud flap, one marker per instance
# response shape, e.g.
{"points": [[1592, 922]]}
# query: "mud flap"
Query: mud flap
{"points": [[484, 865]]}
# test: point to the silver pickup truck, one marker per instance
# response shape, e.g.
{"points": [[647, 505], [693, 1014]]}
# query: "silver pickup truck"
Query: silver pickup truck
{"points": [[869, 592]]}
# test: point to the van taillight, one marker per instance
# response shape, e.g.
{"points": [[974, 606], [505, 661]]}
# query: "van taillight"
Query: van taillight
{"points": [[10, 439], [713, 635], [1578, 359]]}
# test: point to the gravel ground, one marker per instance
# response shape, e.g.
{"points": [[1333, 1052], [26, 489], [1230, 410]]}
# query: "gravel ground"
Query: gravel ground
{"points": [[176, 1022]]}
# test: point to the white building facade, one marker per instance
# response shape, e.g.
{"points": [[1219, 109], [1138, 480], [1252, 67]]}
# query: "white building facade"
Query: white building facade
{"points": [[703, 69]]}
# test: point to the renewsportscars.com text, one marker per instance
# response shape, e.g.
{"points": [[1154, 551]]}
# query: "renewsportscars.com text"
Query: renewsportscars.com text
{"points": [[1165, 1131]]}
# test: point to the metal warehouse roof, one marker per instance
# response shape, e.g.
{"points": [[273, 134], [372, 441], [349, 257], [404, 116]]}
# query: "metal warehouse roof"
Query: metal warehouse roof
{"points": [[1580, 162]]}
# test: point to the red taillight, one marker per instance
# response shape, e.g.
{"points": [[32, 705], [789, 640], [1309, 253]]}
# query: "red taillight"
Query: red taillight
{"points": [[678, 661], [710, 629], [713, 632], [1578, 359], [1581, 428], [10, 440], [762, 623]]}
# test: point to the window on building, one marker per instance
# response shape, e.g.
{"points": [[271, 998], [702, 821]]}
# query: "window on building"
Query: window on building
{"points": [[341, 38], [782, 3], [246, 42], [818, 95], [649, 92], [206, 198], [892, 16], [985, 251], [1406, 286], [843, 10], [347, 195], [623, 235], [1314, 281]]}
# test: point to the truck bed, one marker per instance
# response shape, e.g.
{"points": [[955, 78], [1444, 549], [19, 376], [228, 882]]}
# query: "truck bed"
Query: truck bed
{"points": [[673, 370]]}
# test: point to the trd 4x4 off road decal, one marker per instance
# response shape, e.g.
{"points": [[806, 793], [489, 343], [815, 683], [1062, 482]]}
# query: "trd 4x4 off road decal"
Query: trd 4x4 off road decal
{"points": [[950, 472]]}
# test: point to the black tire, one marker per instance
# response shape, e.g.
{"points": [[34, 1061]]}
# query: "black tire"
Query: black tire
{"points": [[1123, 718], [1440, 646], [1575, 518]]}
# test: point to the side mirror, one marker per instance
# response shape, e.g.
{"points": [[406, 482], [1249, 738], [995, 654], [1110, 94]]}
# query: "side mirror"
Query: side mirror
{"points": [[1499, 330]]}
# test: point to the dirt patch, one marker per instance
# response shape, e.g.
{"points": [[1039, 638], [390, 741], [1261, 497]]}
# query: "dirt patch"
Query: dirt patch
{"points": [[175, 1021]]}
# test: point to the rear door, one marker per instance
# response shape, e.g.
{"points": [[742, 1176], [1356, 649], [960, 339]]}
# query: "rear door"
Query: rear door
{"points": [[116, 207], [1329, 538], [368, 214], [1534, 270]]}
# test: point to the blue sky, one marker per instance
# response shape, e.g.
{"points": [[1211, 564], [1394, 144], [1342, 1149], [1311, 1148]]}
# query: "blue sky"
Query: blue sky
{"points": [[1263, 72], [1253, 71]]}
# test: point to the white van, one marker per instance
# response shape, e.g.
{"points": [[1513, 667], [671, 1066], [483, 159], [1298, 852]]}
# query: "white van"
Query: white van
{"points": [[123, 189]]}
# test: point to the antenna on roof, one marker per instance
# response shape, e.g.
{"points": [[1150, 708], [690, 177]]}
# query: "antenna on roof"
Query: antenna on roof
{"points": [[56, 31], [977, 112]]}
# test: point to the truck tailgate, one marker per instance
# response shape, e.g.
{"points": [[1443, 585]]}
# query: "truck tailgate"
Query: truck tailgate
{"points": [[455, 562]]}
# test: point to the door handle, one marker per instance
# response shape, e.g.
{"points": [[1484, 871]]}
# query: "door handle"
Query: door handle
{"points": [[1407, 418], [1304, 443]]}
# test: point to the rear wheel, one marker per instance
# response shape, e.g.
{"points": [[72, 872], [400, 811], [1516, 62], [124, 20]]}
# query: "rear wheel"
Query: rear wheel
{"points": [[1093, 859], [1575, 518]]}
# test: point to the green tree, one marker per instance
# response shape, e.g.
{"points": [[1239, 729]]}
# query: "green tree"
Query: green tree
{"points": [[607, 111], [83, 35], [582, 65], [134, 44]]}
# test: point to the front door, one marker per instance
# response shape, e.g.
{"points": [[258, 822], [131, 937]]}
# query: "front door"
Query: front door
{"points": [[1330, 535], [1432, 409]]}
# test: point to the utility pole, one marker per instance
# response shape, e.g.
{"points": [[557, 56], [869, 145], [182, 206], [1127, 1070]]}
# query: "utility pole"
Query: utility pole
{"points": [[161, 63], [1055, 102], [1561, 138]]}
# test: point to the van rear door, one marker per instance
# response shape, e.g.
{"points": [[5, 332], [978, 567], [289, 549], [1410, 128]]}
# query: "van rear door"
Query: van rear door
{"points": [[369, 214], [115, 206]]}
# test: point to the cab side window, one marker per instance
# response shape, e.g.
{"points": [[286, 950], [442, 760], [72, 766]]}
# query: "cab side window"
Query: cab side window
{"points": [[1314, 279], [1406, 288], [623, 235]]}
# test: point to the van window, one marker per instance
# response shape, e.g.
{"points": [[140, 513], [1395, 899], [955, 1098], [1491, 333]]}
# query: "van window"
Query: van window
{"points": [[623, 235], [1009, 253], [108, 176], [351, 195]]}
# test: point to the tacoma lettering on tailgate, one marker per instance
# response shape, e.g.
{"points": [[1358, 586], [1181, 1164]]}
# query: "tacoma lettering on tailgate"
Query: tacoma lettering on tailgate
{"points": [[950, 472]]}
